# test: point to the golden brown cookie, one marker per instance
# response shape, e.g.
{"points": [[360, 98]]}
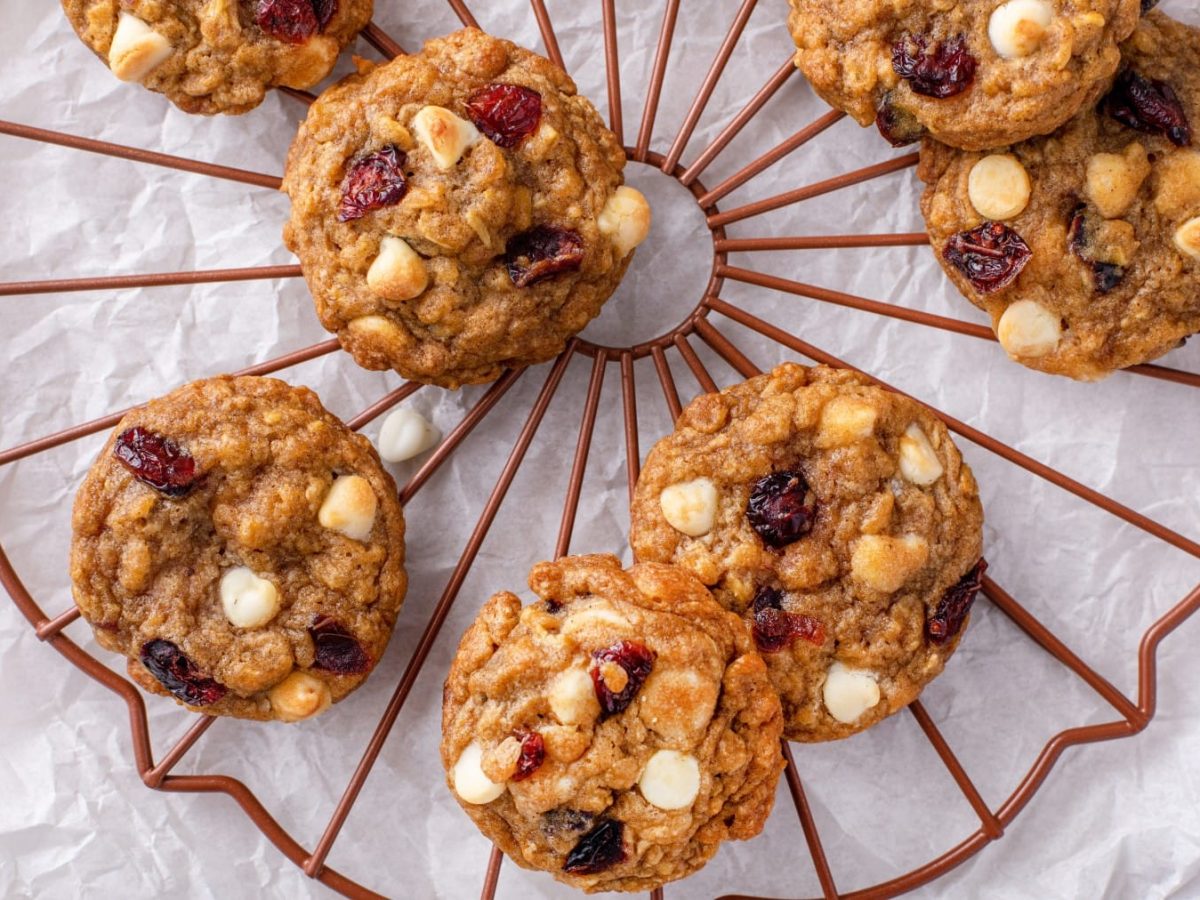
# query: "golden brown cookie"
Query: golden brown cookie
{"points": [[614, 733], [838, 519], [242, 547], [459, 211], [1084, 247], [973, 73]]}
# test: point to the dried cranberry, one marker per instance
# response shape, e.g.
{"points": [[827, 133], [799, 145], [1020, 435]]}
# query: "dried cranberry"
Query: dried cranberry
{"points": [[533, 751], [636, 659], [156, 460], [955, 605], [933, 68], [599, 849], [1149, 106], [174, 671], [990, 256], [336, 649], [541, 252], [375, 180], [324, 10], [1105, 275], [898, 126], [774, 629], [506, 113], [1148, 5], [291, 21], [782, 508]]}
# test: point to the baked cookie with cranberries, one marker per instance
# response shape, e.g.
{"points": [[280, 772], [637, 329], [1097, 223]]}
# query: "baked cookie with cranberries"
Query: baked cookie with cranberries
{"points": [[838, 519], [614, 732], [218, 56], [971, 73], [1084, 247], [459, 211], [242, 547]]}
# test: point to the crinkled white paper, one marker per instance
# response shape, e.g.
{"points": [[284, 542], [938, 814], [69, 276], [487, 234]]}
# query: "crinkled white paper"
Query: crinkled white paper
{"points": [[1115, 820]]}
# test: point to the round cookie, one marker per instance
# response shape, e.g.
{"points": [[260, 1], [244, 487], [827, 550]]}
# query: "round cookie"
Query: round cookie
{"points": [[1084, 247], [614, 733], [242, 547], [218, 56], [974, 73], [838, 519], [459, 211]]}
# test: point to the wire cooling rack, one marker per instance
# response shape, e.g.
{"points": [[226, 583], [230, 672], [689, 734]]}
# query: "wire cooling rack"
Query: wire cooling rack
{"points": [[675, 346]]}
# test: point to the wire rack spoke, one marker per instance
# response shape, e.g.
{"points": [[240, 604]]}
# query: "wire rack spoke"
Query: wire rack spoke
{"points": [[382, 405], [381, 41], [549, 38], [811, 835], [658, 74], [160, 279], [726, 350], [667, 380], [154, 776], [587, 428], [492, 876], [694, 363], [1148, 650], [48, 628], [306, 97], [822, 242], [990, 824], [612, 70], [633, 456], [464, 14]]}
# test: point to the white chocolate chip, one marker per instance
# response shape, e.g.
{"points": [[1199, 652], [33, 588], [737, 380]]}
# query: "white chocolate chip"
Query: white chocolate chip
{"points": [[848, 693], [999, 187], [1017, 27], [572, 697], [625, 219], [398, 272], [1187, 238], [884, 563], [671, 780], [1029, 329], [446, 135], [1114, 179], [349, 507], [136, 49], [248, 601], [844, 421], [405, 434], [690, 507], [299, 696], [471, 785], [919, 462]]}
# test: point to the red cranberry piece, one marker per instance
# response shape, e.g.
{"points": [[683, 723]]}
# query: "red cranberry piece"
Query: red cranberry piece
{"points": [[506, 113], [179, 675], [375, 180], [156, 460], [898, 126], [541, 252], [636, 659], [291, 21], [336, 649], [782, 508], [1149, 106], [775, 629], [325, 10], [1105, 276], [599, 849], [989, 256], [933, 68], [533, 752], [954, 606]]}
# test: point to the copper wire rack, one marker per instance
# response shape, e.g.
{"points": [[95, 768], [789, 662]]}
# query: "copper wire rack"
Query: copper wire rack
{"points": [[678, 345]]}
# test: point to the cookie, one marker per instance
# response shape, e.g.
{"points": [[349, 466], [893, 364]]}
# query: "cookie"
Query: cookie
{"points": [[459, 211], [218, 56], [1084, 247], [242, 547], [614, 733], [838, 519], [973, 74]]}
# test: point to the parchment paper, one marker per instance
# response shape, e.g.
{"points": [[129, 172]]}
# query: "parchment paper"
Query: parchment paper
{"points": [[1115, 820]]}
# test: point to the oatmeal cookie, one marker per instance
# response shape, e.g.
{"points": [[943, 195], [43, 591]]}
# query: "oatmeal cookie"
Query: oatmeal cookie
{"points": [[614, 733], [972, 73], [459, 211], [218, 56], [838, 519], [242, 547], [1084, 247]]}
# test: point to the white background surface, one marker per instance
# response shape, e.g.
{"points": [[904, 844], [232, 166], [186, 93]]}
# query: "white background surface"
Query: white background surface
{"points": [[1114, 820]]}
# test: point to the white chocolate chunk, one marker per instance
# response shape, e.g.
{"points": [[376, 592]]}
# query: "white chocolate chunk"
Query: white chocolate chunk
{"points": [[625, 219], [844, 421], [299, 696], [919, 462], [405, 434], [136, 49], [671, 780], [690, 507], [1029, 329], [445, 135], [469, 781], [848, 693], [398, 272], [1017, 27], [1114, 179], [248, 601], [572, 697], [349, 507], [884, 563], [998, 186], [1187, 238]]}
